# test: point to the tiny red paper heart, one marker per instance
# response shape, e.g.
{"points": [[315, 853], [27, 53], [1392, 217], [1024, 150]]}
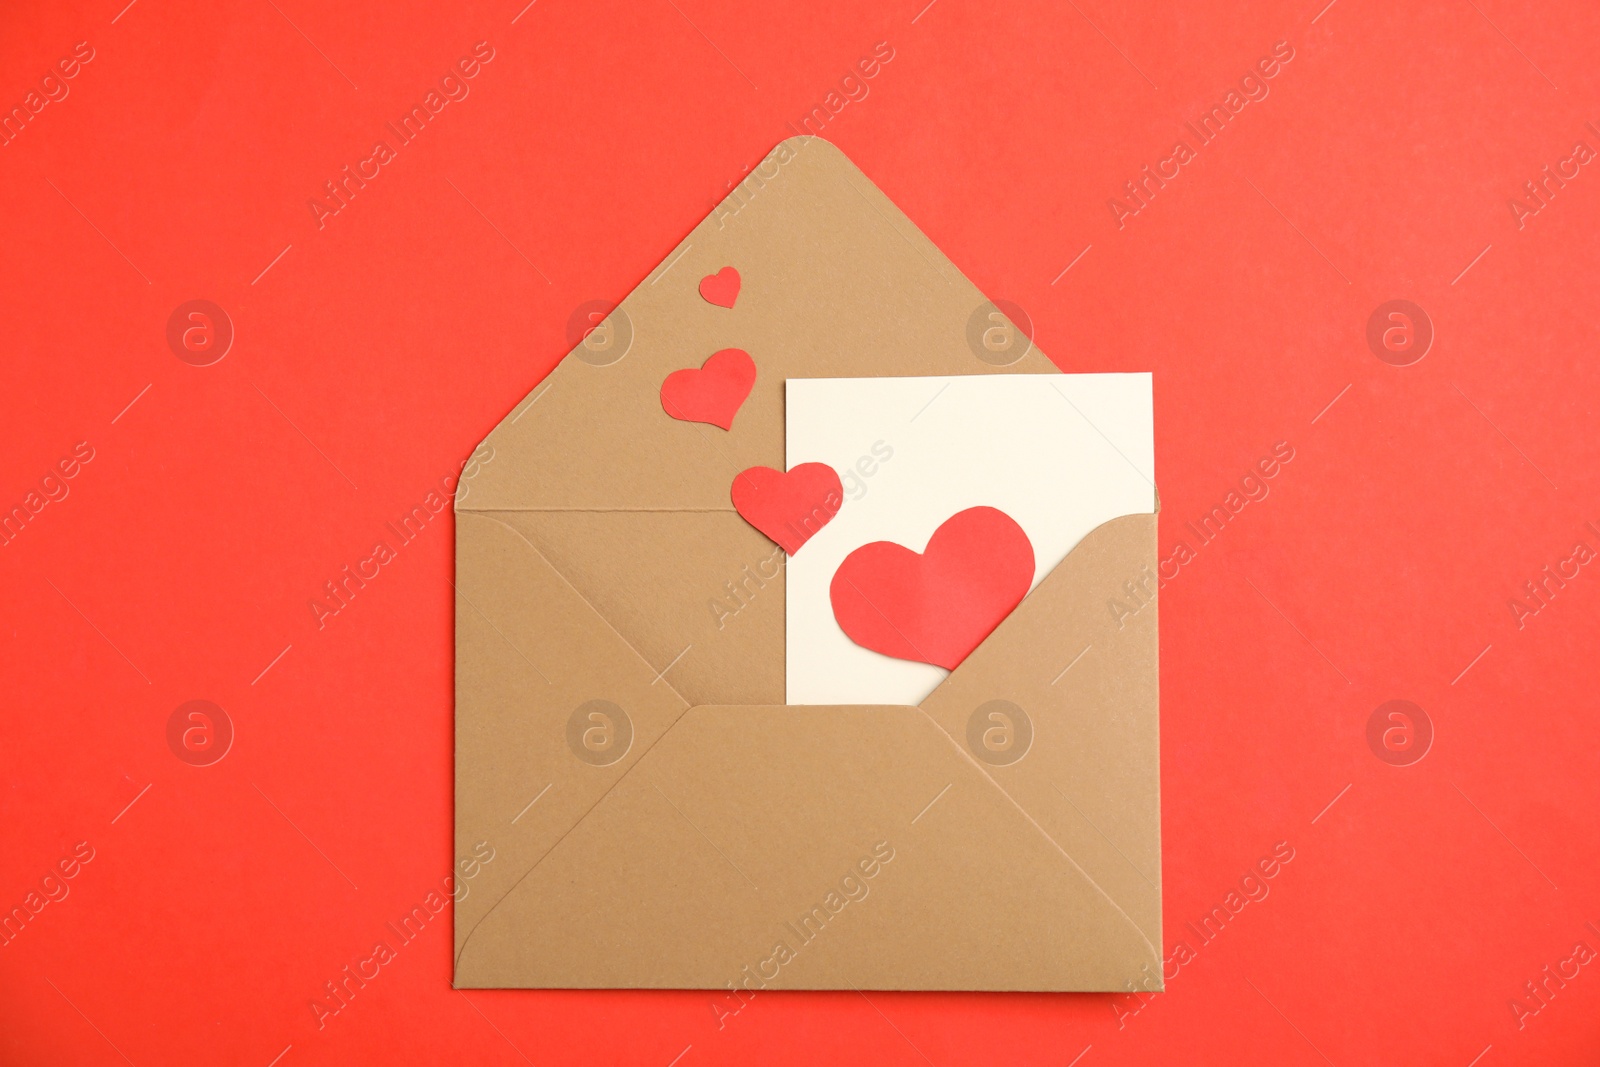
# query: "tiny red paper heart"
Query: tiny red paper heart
{"points": [[721, 288], [712, 392], [938, 606], [789, 508]]}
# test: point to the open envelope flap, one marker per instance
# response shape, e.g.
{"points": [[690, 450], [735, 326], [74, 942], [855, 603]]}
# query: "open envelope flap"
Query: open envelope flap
{"points": [[837, 282], [1060, 706], [823, 848]]}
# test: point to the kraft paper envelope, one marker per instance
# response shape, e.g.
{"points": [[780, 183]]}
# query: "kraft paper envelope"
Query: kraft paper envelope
{"points": [[658, 818]]}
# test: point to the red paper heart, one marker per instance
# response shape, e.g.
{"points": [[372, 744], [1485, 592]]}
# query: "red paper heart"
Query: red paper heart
{"points": [[938, 606], [712, 392], [789, 508], [721, 288]]}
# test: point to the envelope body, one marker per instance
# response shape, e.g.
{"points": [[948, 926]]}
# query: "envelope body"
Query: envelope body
{"points": [[656, 817]]}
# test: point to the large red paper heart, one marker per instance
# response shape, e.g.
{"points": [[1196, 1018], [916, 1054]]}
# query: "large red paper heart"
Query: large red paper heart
{"points": [[721, 288], [790, 507], [712, 392], [938, 606]]}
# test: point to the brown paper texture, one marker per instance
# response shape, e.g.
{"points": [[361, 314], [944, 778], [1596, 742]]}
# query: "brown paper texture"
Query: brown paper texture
{"points": [[659, 819]]}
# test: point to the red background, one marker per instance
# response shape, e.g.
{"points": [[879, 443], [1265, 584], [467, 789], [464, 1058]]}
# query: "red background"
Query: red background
{"points": [[374, 354]]}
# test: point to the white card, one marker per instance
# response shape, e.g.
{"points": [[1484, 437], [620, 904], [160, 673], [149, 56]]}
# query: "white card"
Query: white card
{"points": [[1059, 453]]}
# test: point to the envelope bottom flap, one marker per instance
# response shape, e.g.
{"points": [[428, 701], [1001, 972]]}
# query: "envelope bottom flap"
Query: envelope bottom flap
{"points": [[815, 848]]}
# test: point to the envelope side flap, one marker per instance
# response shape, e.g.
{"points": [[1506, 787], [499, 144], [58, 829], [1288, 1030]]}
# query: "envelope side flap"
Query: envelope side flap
{"points": [[698, 594], [837, 282], [552, 707], [1060, 708], [825, 848]]}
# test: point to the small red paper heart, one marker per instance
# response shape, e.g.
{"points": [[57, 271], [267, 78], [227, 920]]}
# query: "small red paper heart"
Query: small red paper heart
{"points": [[789, 508], [721, 288], [712, 392], [938, 606]]}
